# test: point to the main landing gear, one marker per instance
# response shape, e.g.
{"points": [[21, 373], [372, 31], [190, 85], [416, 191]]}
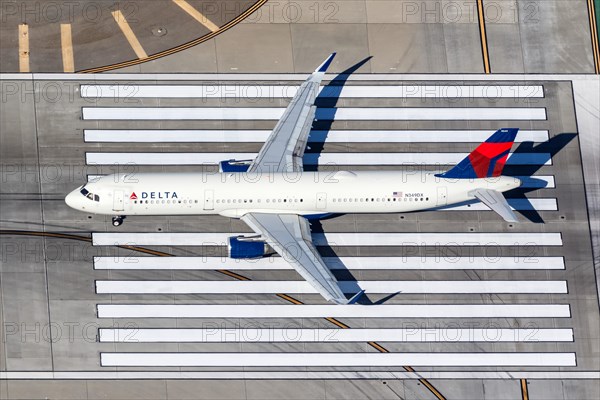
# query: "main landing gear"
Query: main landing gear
{"points": [[117, 220]]}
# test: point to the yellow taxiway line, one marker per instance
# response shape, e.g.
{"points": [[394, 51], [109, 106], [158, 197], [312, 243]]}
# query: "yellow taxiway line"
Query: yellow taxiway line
{"points": [[594, 34], [197, 15], [129, 35], [524, 390], [66, 43], [24, 48], [482, 32]]}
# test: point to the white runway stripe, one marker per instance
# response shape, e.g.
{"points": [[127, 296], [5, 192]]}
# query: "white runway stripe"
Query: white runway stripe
{"points": [[298, 375], [335, 359], [351, 263], [334, 310], [173, 158], [316, 136], [537, 181], [298, 287], [338, 239], [335, 335], [339, 114], [255, 91]]}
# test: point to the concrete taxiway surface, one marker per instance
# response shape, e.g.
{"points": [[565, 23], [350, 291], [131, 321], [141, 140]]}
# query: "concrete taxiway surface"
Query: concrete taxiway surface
{"points": [[79, 299], [85, 286]]}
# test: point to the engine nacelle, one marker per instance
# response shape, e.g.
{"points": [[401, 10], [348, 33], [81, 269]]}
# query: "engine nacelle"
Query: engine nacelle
{"points": [[243, 247], [234, 165]]}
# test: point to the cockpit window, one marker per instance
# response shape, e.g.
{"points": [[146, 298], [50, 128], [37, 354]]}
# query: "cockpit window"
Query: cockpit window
{"points": [[89, 195]]}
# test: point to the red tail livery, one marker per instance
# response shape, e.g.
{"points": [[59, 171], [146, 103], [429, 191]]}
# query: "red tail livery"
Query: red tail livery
{"points": [[487, 160]]}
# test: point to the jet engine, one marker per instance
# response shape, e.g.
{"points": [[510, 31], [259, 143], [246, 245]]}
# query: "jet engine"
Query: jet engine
{"points": [[234, 165], [246, 247]]}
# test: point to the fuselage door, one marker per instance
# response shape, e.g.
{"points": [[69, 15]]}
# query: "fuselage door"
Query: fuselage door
{"points": [[209, 201], [118, 200], [442, 196], [321, 200]]}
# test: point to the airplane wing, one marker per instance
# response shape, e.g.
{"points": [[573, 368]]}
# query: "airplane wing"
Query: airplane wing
{"points": [[496, 201], [289, 236], [283, 150]]}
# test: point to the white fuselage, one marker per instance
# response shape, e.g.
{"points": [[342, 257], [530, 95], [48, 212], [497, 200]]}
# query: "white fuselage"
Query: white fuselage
{"points": [[304, 193]]}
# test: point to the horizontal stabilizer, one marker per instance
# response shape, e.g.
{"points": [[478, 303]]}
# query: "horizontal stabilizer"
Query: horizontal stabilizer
{"points": [[496, 201]]}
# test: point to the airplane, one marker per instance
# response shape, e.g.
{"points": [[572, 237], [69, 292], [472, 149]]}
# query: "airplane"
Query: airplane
{"points": [[277, 199]]}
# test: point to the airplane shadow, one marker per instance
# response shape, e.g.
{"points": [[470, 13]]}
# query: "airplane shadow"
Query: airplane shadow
{"points": [[541, 153], [328, 99], [537, 156]]}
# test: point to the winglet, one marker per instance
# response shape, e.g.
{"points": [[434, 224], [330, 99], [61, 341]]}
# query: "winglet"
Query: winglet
{"points": [[356, 297], [323, 67]]}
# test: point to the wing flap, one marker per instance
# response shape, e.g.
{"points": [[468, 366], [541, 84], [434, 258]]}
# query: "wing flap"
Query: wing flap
{"points": [[496, 201], [289, 235], [285, 146]]}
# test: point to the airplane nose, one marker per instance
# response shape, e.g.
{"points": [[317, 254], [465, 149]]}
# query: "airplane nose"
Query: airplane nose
{"points": [[71, 200]]}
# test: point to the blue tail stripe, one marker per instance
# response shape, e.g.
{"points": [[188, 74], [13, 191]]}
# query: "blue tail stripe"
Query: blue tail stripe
{"points": [[503, 135]]}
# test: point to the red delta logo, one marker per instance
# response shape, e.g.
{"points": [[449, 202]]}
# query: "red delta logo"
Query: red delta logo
{"points": [[133, 196]]}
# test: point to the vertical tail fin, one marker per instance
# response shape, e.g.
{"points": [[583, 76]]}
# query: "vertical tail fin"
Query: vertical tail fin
{"points": [[487, 160]]}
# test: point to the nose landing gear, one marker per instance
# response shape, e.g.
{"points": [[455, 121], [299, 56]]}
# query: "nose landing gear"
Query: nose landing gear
{"points": [[117, 220]]}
